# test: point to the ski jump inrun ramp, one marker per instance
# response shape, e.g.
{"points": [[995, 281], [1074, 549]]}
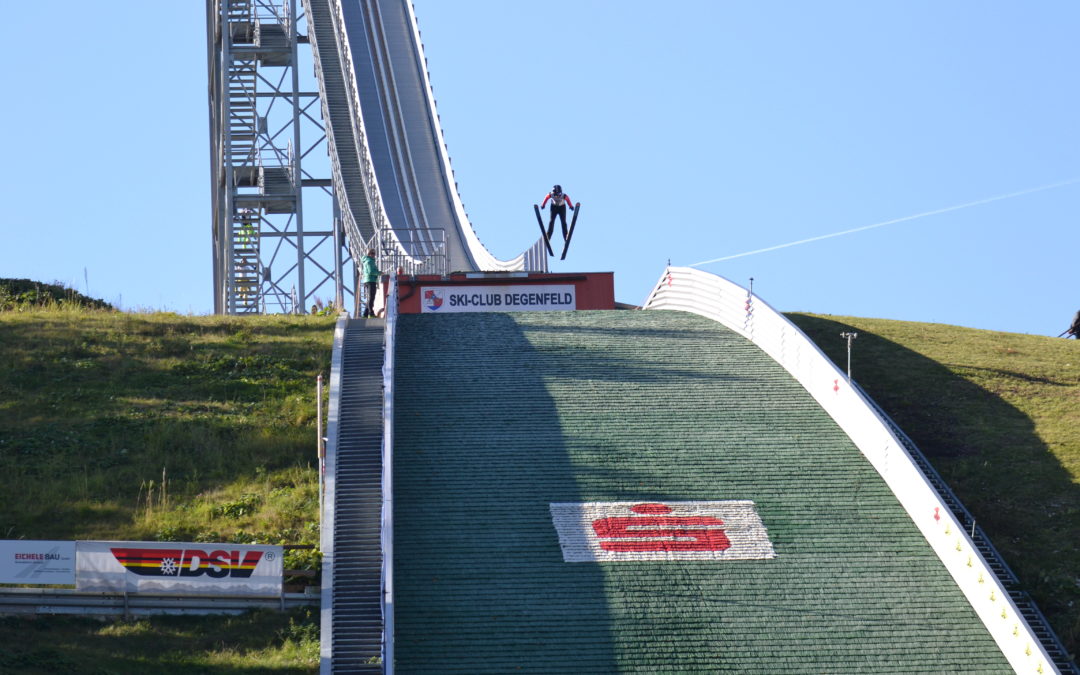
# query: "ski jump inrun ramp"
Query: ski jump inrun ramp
{"points": [[391, 170]]}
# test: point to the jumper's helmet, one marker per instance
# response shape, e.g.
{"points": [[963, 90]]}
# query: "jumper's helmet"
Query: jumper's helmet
{"points": [[557, 189]]}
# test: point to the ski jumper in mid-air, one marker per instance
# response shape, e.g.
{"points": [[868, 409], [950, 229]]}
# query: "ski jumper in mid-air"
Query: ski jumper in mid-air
{"points": [[559, 202]]}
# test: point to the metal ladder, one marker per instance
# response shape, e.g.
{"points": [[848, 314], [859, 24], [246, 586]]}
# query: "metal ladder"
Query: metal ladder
{"points": [[357, 575]]}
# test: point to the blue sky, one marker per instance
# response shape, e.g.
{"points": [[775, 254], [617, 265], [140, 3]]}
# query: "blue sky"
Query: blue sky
{"points": [[703, 131]]}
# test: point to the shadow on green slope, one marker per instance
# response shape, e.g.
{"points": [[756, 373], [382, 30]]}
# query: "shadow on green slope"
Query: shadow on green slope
{"points": [[479, 456], [988, 452]]}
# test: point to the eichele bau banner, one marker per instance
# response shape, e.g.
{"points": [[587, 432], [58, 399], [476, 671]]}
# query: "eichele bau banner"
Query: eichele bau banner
{"points": [[180, 568], [37, 562]]}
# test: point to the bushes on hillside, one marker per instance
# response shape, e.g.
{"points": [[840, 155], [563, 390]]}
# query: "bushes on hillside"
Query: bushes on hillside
{"points": [[23, 294]]}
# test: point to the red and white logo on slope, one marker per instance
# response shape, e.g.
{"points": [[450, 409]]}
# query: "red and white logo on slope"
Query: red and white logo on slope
{"points": [[626, 531]]}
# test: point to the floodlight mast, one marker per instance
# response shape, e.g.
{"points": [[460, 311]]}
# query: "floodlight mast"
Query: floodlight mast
{"points": [[262, 134], [849, 336]]}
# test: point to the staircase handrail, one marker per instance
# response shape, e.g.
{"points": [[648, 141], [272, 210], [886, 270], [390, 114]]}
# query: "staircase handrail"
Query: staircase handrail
{"points": [[387, 244], [285, 16], [997, 562], [353, 238], [387, 527], [357, 242], [692, 290], [326, 535]]}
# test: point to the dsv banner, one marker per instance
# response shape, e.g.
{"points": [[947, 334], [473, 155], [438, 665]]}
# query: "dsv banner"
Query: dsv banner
{"points": [[182, 568]]}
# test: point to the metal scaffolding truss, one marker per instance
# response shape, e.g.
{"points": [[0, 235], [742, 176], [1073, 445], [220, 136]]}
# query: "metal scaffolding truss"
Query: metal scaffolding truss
{"points": [[277, 238]]}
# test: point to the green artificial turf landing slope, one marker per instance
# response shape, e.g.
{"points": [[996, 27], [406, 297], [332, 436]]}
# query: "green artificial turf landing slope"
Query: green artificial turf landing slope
{"points": [[500, 415]]}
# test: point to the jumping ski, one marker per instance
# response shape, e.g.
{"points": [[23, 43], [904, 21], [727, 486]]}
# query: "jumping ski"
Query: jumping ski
{"points": [[543, 232], [573, 222]]}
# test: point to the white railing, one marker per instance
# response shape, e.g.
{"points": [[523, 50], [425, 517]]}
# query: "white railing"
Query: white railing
{"points": [[691, 290], [387, 530]]}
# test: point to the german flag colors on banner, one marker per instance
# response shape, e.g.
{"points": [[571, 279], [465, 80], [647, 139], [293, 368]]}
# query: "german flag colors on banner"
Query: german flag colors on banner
{"points": [[185, 568]]}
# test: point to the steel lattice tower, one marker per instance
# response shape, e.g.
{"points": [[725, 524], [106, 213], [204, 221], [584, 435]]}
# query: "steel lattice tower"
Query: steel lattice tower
{"points": [[264, 128]]}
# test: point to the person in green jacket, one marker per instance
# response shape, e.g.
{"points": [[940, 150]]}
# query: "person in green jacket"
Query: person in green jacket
{"points": [[371, 281]]}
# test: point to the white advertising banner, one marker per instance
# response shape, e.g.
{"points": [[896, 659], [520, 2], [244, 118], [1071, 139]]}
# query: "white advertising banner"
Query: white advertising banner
{"points": [[180, 568], [37, 562], [653, 531], [523, 298]]}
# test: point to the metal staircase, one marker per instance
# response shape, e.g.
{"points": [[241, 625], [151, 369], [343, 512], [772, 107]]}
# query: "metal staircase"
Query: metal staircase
{"points": [[340, 128], [277, 190], [356, 613], [245, 270], [241, 157], [243, 122]]}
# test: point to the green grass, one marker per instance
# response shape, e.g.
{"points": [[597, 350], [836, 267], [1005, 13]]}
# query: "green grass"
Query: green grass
{"points": [[260, 642], [154, 426], [998, 415], [160, 427]]}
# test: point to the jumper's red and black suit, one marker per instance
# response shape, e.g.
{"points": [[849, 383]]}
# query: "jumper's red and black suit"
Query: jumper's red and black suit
{"points": [[559, 202]]}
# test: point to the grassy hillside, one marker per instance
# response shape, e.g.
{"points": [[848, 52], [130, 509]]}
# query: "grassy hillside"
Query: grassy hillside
{"points": [[998, 415], [160, 427]]}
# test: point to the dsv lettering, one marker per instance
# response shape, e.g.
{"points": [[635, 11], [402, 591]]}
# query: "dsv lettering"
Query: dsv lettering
{"points": [[216, 564]]}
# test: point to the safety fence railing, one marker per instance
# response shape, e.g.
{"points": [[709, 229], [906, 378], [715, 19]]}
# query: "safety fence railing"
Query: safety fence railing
{"points": [[1024, 602], [691, 290], [389, 244], [42, 601], [272, 12], [270, 156], [387, 519]]}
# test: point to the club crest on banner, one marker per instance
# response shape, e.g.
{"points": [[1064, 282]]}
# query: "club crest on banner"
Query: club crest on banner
{"points": [[638, 531], [433, 299]]}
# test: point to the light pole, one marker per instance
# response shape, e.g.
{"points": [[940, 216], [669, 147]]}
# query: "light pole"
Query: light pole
{"points": [[850, 337]]}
